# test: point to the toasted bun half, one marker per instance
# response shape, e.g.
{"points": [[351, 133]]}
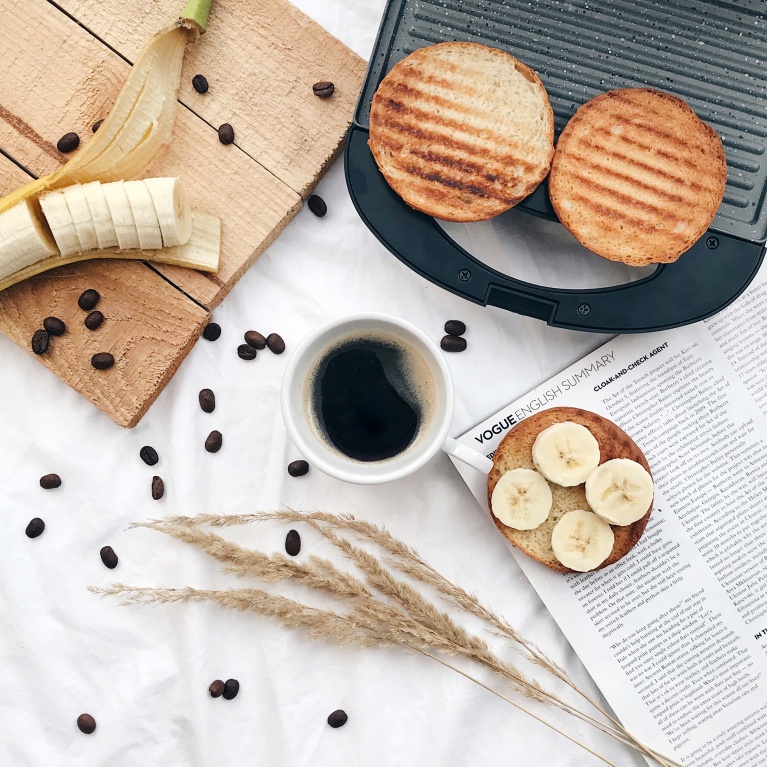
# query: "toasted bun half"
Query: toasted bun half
{"points": [[461, 131], [637, 176], [515, 452]]}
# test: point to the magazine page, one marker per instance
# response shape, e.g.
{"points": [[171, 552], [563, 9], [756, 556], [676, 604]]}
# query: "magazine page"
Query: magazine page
{"points": [[675, 634]]}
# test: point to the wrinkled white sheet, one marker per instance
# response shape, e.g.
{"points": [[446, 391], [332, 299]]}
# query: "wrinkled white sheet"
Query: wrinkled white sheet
{"points": [[143, 672]]}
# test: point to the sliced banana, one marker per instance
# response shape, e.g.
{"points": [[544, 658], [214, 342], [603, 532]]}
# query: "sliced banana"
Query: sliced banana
{"points": [[102, 218], [521, 499], [173, 210], [81, 216], [60, 222], [144, 215], [620, 491], [203, 250], [566, 453], [122, 215], [23, 238], [581, 540]]}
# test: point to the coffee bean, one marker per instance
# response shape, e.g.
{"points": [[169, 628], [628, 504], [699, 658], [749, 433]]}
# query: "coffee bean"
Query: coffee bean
{"points": [[108, 557], [246, 352], [216, 689], [50, 481], [226, 134], [298, 468], [68, 143], [158, 488], [148, 455], [40, 341], [453, 343], [86, 723], [255, 339], [317, 205], [54, 326], [212, 332], [93, 320], [96, 125], [323, 89], [207, 401], [231, 688], [275, 343], [35, 527], [88, 300], [214, 441], [293, 543], [455, 328], [338, 718], [102, 361], [200, 83]]}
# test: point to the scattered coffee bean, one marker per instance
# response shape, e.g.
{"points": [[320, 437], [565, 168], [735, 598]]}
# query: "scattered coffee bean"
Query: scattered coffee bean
{"points": [[231, 688], [216, 689], [453, 343], [200, 83], [93, 320], [148, 455], [207, 401], [323, 89], [338, 718], [275, 343], [158, 488], [317, 205], [212, 331], [96, 125], [226, 134], [68, 143], [255, 339], [40, 341], [88, 300], [214, 441], [102, 361], [54, 326], [86, 723], [50, 481], [455, 328], [293, 543], [298, 468], [246, 352], [35, 527], [108, 557]]}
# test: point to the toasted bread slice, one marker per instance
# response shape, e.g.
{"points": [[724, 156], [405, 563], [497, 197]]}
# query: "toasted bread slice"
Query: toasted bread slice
{"points": [[516, 452], [461, 131], [637, 176]]}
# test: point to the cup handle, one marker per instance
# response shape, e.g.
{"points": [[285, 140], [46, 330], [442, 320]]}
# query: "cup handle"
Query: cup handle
{"points": [[465, 454]]}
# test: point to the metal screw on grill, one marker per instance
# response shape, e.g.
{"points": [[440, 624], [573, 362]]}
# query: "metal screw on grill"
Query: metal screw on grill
{"points": [[712, 242], [584, 309], [464, 275]]}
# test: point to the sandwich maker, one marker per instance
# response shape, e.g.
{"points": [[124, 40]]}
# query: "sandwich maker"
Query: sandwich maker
{"points": [[711, 53]]}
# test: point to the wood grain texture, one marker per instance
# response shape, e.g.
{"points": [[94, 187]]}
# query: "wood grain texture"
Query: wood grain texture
{"points": [[261, 58]]}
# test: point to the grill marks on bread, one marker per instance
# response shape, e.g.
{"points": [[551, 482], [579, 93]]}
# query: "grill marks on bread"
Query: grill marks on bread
{"points": [[637, 176], [462, 131]]}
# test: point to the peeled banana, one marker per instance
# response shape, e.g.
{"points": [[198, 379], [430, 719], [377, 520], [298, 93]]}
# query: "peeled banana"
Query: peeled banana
{"points": [[620, 491], [566, 453], [521, 499], [581, 540]]}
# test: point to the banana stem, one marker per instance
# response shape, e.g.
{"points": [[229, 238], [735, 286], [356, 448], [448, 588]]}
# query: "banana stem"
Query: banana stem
{"points": [[197, 11]]}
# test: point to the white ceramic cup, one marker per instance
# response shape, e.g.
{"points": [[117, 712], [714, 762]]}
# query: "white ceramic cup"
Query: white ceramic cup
{"points": [[433, 436]]}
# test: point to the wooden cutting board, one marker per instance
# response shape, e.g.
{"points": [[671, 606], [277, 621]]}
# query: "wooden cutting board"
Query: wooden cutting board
{"points": [[63, 66]]}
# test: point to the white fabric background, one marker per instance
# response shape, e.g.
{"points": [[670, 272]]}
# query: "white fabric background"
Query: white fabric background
{"points": [[143, 672]]}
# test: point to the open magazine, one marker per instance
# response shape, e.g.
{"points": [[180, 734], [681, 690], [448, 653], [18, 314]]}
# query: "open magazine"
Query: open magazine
{"points": [[675, 634]]}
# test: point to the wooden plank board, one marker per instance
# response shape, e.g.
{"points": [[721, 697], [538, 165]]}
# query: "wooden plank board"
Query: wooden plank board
{"points": [[149, 327]]}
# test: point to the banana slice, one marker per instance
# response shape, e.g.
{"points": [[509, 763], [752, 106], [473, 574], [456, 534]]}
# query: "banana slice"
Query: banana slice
{"points": [[144, 215], [566, 453], [23, 238], [102, 218], [122, 215], [81, 216], [620, 491], [521, 499], [173, 210], [581, 540], [60, 222]]}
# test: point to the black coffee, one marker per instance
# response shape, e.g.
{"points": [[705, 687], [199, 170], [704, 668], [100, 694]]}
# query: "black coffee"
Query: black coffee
{"points": [[369, 398]]}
